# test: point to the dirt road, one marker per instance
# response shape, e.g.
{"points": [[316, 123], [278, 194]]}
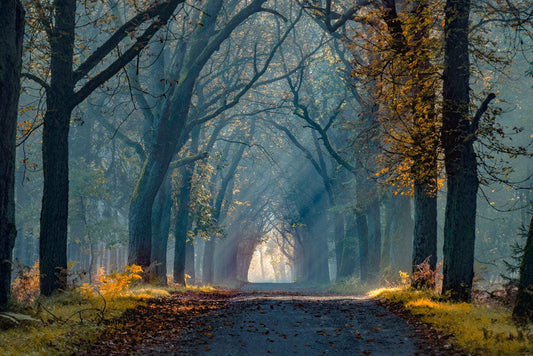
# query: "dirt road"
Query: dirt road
{"points": [[296, 322], [260, 321]]}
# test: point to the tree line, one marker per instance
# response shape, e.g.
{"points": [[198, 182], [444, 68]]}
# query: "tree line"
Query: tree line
{"points": [[378, 98]]}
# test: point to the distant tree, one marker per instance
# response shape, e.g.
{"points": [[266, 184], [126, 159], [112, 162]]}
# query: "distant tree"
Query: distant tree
{"points": [[12, 30], [173, 122], [523, 307]]}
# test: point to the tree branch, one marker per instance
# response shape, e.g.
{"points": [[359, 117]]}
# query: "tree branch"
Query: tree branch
{"points": [[36, 79], [252, 81], [165, 12], [188, 160], [125, 139], [479, 113], [304, 114], [158, 9]]}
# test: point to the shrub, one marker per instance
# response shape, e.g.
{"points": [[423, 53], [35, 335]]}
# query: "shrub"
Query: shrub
{"points": [[424, 277], [116, 283], [25, 287]]}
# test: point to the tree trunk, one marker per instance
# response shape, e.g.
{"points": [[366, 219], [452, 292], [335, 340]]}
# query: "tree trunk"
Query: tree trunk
{"points": [[374, 237], [245, 252], [348, 259], [459, 156], [362, 236], [523, 307], [140, 213], [182, 223], [425, 232], [161, 228], [190, 261], [338, 223], [54, 210], [12, 25]]}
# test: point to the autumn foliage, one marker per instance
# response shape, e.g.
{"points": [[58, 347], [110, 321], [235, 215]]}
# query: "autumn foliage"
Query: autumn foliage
{"points": [[25, 287], [114, 284]]}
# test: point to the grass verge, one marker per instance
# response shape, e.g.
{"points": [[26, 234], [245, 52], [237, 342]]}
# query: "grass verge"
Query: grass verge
{"points": [[476, 328], [63, 322]]}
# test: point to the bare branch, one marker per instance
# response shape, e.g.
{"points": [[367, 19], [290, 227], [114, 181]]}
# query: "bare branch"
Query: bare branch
{"points": [[480, 111], [165, 12], [36, 79], [188, 160], [159, 9]]}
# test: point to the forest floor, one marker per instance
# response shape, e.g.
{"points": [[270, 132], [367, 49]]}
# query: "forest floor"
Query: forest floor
{"points": [[265, 319]]}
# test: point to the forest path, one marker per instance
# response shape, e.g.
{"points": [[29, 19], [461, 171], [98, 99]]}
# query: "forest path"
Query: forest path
{"points": [[291, 321]]}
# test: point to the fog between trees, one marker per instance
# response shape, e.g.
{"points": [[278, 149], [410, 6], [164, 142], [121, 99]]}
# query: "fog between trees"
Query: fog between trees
{"points": [[315, 141]]}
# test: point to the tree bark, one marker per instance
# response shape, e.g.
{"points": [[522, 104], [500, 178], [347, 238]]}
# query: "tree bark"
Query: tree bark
{"points": [[459, 156], [425, 230], [12, 25], [54, 210], [523, 307]]}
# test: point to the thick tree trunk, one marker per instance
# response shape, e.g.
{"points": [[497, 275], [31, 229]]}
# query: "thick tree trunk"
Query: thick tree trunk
{"points": [[460, 158], [161, 227], [245, 252], [54, 210], [140, 213], [12, 25], [168, 138], [523, 307], [425, 232]]}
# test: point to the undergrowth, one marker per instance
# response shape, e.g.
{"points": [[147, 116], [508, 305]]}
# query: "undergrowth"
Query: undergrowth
{"points": [[476, 328], [62, 323], [352, 285]]}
